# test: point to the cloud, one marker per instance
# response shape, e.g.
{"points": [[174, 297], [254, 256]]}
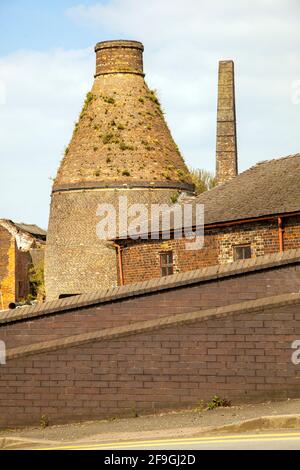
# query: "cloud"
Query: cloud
{"points": [[43, 96], [41, 93], [183, 43]]}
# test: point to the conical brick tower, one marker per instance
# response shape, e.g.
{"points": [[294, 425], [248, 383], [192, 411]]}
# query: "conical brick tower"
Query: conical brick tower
{"points": [[121, 145]]}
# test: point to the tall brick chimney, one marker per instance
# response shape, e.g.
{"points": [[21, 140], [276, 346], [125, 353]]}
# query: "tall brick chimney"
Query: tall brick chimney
{"points": [[226, 146], [121, 146]]}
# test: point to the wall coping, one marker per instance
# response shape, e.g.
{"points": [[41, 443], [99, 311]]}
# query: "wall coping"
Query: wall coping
{"points": [[174, 281], [258, 305]]}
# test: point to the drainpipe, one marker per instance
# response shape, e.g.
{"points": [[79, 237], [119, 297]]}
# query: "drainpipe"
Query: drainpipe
{"points": [[280, 234], [119, 254]]}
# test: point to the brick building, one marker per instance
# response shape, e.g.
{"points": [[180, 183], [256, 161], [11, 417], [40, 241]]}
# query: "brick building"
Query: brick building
{"points": [[254, 214], [248, 215], [21, 246]]}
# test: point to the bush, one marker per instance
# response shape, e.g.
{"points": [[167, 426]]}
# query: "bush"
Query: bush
{"points": [[217, 402], [202, 179], [37, 282]]}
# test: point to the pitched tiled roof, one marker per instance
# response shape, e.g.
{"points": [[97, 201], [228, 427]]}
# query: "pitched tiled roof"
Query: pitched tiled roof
{"points": [[151, 325], [268, 188], [154, 285]]}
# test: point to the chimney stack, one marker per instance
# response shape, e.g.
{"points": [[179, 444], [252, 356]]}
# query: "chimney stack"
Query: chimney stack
{"points": [[119, 57], [226, 147]]}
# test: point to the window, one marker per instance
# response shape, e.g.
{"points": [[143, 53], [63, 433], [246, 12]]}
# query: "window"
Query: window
{"points": [[241, 252], [166, 263]]}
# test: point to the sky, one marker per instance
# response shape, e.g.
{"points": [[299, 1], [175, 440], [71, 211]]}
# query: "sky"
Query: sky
{"points": [[47, 64]]}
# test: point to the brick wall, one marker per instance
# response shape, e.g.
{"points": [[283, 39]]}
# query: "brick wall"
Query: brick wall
{"points": [[141, 259], [233, 288], [23, 263], [119, 56], [241, 354], [7, 267]]}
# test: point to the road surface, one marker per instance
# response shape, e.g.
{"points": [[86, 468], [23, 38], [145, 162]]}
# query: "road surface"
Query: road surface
{"points": [[269, 441]]}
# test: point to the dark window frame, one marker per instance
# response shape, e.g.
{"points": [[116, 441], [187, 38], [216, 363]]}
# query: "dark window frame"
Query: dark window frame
{"points": [[245, 249], [166, 263]]}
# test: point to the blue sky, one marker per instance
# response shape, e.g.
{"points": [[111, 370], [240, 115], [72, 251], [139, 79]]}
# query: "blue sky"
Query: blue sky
{"points": [[47, 65], [42, 25]]}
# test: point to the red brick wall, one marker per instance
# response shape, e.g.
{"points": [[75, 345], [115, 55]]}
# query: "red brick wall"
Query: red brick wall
{"points": [[215, 293], [141, 259], [7, 267], [241, 356], [291, 233], [23, 263]]}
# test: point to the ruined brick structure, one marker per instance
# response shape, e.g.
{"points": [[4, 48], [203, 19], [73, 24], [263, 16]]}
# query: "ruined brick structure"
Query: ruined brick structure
{"points": [[226, 145], [121, 145], [21, 246]]}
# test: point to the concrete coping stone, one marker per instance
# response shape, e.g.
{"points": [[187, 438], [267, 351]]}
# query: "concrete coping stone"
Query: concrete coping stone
{"points": [[152, 286], [259, 305]]}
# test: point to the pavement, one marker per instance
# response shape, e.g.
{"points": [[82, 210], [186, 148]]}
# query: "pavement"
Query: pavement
{"points": [[170, 429]]}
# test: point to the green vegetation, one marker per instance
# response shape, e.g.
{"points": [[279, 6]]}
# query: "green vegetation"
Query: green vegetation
{"points": [[125, 173], [215, 402], [153, 97], [166, 175], [88, 99], [108, 99], [106, 138], [124, 146], [202, 179], [147, 145], [37, 282], [174, 197], [120, 127], [44, 422]]}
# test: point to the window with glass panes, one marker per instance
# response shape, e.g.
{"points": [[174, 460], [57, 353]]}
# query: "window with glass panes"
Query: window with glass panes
{"points": [[241, 252], [166, 263]]}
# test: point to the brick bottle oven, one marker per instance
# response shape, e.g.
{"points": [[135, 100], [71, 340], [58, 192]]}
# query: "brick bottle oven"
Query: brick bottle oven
{"points": [[121, 145]]}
